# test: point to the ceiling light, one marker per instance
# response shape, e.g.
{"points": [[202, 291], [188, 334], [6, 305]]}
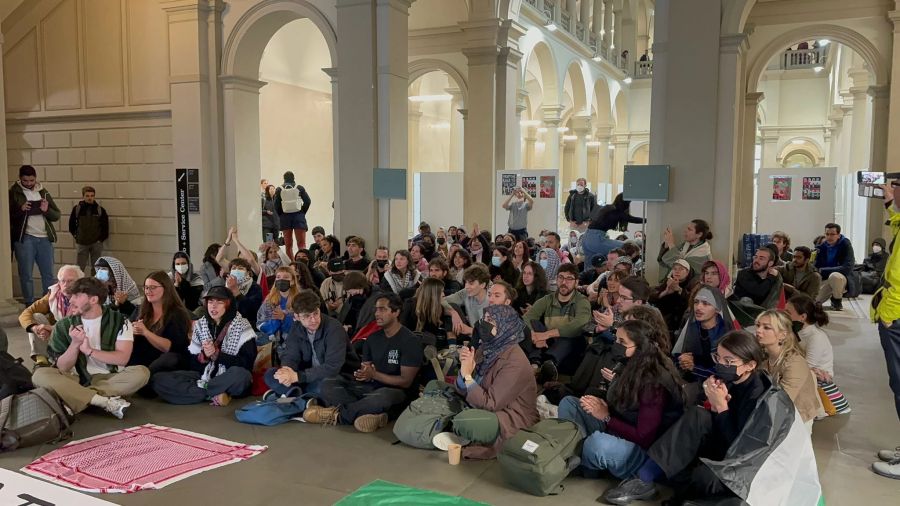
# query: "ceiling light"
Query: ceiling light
{"points": [[627, 80], [824, 42], [597, 58], [569, 137], [818, 68], [562, 130], [431, 98]]}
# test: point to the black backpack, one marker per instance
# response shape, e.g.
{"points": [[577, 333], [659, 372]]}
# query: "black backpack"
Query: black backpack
{"points": [[14, 377]]}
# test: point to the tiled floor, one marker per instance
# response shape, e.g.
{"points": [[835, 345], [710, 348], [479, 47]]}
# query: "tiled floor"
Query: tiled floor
{"points": [[314, 465]]}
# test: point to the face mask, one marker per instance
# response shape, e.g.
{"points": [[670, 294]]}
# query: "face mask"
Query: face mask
{"points": [[238, 275], [573, 241], [441, 240], [618, 351], [543, 262], [103, 275], [727, 373], [283, 285], [579, 188], [485, 329], [495, 261], [181, 269], [796, 327], [381, 263], [876, 249]]}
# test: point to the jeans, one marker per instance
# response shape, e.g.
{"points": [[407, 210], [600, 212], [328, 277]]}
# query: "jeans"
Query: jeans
{"points": [[520, 234], [601, 450], [565, 352], [312, 389], [595, 242], [29, 250], [355, 398], [890, 342], [570, 409]]}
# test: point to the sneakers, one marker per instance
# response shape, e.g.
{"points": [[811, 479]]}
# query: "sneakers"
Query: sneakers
{"points": [[889, 455], [270, 395], [292, 392], [220, 400], [40, 361], [116, 407], [836, 305], [888, 469], [548, 372], [443, 440], [633, 489], [370, 423], [321, 415]]}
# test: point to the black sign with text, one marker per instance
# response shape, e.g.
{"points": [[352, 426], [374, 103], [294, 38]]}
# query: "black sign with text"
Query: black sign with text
{"points": [[182, 204]]}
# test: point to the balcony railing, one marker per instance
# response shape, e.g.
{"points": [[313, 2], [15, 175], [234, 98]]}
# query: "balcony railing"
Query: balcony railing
{"points": [[643, 69], [566, 21], [549, 9], [804, 58], [532, 3]]}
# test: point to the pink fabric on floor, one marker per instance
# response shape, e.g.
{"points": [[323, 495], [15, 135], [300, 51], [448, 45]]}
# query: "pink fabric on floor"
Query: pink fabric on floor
{"points": [[138, 458]]}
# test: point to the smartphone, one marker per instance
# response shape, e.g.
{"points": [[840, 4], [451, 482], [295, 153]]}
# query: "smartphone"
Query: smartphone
{"points": [[269, 237], [869, 184]]}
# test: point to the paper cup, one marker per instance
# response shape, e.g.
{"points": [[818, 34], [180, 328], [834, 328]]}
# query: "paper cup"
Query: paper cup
{"points": [[454, 453]]}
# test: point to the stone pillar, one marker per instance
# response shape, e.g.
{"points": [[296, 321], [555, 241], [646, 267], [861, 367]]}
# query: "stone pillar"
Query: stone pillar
{"points": [[607, 22], [529, 155], [878, 155], [743, 176], [415, 117], [521, 106], [620, 157], [456, 130], [508, 136], [572, 7], [8, 307], [584, 17], [480, 131], [581, 127], [893, 139], [552, 158], [597, 19], [195, 136], [617, 30]]}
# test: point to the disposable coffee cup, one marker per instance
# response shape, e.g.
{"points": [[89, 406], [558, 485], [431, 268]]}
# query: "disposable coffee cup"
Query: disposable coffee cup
{"points": [[454, 453]]}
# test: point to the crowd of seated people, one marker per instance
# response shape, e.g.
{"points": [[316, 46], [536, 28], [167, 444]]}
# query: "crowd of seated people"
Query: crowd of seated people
{"points": [[634, 366]]}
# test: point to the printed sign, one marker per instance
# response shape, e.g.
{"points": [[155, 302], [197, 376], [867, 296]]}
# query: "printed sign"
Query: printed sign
{"points": [[548, 187], [182, 199], [508, 183], [529, 184], [781, 188], [812, 188], [22, 490]]}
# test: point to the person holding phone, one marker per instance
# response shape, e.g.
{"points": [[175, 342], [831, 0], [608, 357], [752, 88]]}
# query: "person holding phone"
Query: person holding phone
{"points": [[270, 221], [32, 214]]}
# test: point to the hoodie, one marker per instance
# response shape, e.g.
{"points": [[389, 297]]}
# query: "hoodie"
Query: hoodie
{"points": [[579, 206], [837, 258], [701, 343]]}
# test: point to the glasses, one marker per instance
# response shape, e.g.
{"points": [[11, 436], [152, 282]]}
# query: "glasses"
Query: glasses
{"points": [[725, 361], [895, 184], [152, 288], [624, 297], [566, 278], [307, 316]]}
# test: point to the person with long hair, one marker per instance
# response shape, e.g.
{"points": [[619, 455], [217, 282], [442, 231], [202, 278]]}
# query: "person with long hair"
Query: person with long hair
{"points": [[329, 247], [274, 318], [427, 313], [270, 221], [532, 286], [497, 383], [695, 249], [402, 275], [521, 254], [502, 267], [460, 260], [419, 261], [786, 363], [188, 283], [161, 328], [442, 246], [210, 269], [642, 401], [707, 434], [671, 296]]}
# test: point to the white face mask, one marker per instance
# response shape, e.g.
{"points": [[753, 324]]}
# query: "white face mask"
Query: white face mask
{"points": [[182, 269], [579, 188], [876, 249]]}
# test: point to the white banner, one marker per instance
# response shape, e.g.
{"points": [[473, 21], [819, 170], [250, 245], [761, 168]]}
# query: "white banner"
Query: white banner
{"points": [[20, 490]]}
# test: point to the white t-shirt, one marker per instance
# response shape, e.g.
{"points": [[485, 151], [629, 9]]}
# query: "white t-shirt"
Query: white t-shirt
{"points": [[92, 331], [819, 353]]}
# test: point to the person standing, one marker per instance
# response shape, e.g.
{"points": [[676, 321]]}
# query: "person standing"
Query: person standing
{"points": [[270, 223], [292, 202], [89, 225], [518, 212], [580, 204], [32, 213]]}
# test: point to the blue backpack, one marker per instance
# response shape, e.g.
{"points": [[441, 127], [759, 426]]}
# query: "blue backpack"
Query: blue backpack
{"points": [[271, 412]]}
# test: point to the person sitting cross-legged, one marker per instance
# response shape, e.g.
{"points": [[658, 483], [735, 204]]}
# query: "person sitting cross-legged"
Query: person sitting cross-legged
{"points": [[760, 284], [223, 350], [91, 349], [38, 319], [315, 349], [384, 382]]}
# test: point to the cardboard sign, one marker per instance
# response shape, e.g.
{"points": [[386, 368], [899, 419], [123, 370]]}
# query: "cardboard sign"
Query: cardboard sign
{"points": [[20, 490]]}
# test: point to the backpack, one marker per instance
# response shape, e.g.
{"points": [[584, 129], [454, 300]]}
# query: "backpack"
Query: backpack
{"points": [[290, 200], [428, 415], [14, 377], [537, 459], [273, 412], [33, 418]]}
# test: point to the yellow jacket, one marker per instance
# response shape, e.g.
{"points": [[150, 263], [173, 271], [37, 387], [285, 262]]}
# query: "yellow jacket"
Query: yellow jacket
{"points": [[888, 309]]}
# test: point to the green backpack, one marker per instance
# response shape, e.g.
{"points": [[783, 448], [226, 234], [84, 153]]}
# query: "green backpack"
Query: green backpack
{"points": [[537, 459], [428, 415]]}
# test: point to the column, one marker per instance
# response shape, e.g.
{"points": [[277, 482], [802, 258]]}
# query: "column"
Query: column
{"points": [[733, 186], [584, 18], [893, 139], [478, 178], [8, 307], [552, 159], [415, 116], [581, 127], [521, 106], [597, 21], [607, 23], [743, 185], [881, 98], [529, 155], [620, 157], [572, 7], [195, 137], [617, 29], [456, 130], [508, 135]]}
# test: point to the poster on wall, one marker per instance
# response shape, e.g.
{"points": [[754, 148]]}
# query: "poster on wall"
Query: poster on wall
{"points": [[812, 188], [508, 183], [781, 188], [529, 184], [548, 187]]}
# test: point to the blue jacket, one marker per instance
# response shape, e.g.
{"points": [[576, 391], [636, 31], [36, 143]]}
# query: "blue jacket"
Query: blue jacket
{"points": [[331, 345], [842, 259]]}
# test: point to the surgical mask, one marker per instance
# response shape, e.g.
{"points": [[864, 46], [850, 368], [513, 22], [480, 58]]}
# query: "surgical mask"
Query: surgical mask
{"points": [[573, 241], [727, 373], [381, 263], [797, 327], [103, 275], [543, 262], [485, 329], [441, 240], [876, 249], [283, 285], [618, 351], [181, 269], [495, 261], [579, 188], [237, 274]]}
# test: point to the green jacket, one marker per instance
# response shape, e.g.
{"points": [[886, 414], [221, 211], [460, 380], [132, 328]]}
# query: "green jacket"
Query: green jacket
{"points": [[19, 218], [568, 320], [111, 323]]}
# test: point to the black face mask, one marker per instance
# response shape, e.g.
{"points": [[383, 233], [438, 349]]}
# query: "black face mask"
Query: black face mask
{"points": [[485, 329], [797, 327], [441, 240], [727, 373], [283, 285], [302, 260], [381, 263], [618, 351]]}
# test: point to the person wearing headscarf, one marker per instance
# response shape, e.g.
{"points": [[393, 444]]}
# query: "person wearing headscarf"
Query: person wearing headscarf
{"points": [[223, 350], [498, 384], [715, 274], [188, 283], [124, 295], [549, 260], [708, 320]]}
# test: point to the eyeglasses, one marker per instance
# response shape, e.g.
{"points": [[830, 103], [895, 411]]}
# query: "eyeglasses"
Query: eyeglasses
{"points": [[566, 278], [152, 288], [726, 361], [308, 316], [623, 297], [895, 184]]}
